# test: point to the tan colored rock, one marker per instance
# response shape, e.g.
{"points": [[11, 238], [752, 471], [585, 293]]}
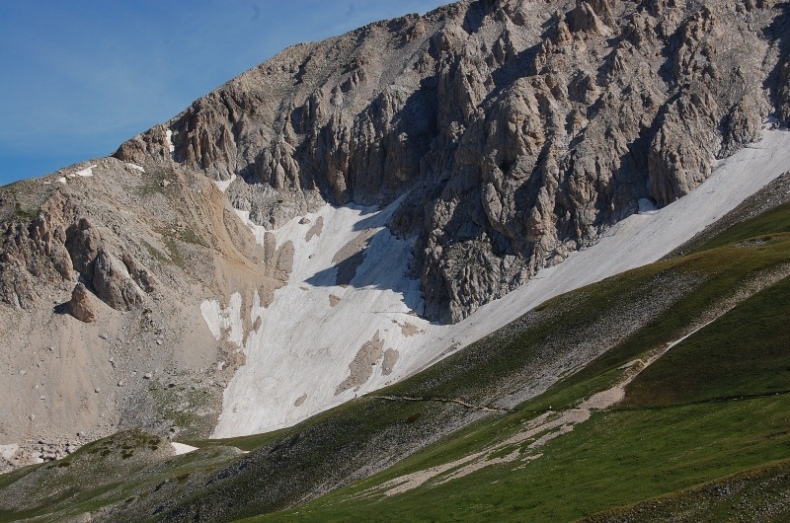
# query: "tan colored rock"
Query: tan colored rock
{"points": [[362, 367], [113, 284], [584, 18], [32, 253], [83, 242], [80, 304]]}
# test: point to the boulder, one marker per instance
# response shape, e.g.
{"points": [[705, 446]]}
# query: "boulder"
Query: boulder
{"points": [[80, 305]]}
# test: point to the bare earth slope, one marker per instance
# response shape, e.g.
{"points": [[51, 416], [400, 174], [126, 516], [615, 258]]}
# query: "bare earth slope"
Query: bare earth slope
{"points": [[147, 247]]}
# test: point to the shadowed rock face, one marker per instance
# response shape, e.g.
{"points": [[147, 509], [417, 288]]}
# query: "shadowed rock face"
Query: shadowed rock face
{"points": [[523, 128]]}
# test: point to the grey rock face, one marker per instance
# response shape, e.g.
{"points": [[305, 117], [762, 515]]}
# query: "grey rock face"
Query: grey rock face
{"points": [[523, 129], [113, 283]]}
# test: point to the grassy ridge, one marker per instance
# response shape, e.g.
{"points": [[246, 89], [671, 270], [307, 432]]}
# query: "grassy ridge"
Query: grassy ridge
{"points": [[724, 269], [774, 221], [745, 353], [759, 494]]}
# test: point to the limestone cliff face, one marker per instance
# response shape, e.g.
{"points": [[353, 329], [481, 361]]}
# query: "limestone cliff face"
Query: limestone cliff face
{"points": [[520, 129], [34, 253]]}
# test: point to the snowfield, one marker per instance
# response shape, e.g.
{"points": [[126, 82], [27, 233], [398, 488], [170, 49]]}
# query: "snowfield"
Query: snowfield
{"points": [[347, 322]]}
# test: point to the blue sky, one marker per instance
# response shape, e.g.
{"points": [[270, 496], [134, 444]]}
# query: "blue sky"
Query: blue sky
{"points": [[79, 78]]}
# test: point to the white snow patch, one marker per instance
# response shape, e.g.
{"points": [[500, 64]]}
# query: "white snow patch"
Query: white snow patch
{"points": [[169, 141], [257, 230], [180, 448], [62, 180], [304, 345], [7, 452], [88, 171], [224, 184], [135, 167]]}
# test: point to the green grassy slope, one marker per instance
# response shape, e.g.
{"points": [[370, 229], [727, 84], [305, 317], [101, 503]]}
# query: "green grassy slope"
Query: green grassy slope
{"points": [[745, 353], [118, 470], [775, 221], [761, 494], [616, 458]]}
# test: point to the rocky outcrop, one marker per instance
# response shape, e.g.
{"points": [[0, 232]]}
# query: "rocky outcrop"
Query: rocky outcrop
{"points": [[114, 285], [522, 129], [33, 253], [58, 246], [80, 304]]}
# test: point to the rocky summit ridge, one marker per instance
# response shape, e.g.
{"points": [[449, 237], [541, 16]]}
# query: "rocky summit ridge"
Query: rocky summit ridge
{"points": [[510, 133], [520, 129]]}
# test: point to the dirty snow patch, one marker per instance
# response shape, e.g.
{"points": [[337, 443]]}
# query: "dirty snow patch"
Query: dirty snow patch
{"points": [[224, 184], [257, 230], [224, 321], [7, 452], [88, 171], [135, 167], [308, 341]]}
